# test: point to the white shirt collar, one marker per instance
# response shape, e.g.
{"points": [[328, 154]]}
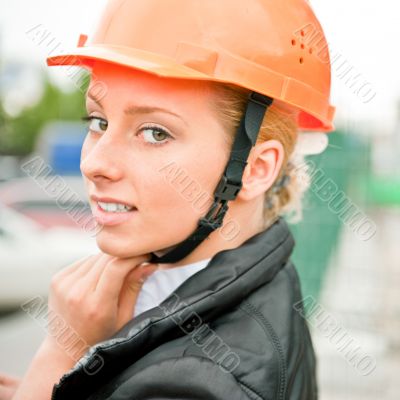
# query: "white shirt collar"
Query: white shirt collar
{"points": [[161, 283]]}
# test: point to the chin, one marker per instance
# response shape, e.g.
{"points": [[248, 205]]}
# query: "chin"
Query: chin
{"points": [[114, 246], [118, 248]]}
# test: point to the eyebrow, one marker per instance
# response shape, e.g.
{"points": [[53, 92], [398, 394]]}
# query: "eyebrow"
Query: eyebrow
{"points": [[135, 109]]}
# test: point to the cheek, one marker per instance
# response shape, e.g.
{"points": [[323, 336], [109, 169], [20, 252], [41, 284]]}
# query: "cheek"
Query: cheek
{"points": [[163, 190], [184, 187]]}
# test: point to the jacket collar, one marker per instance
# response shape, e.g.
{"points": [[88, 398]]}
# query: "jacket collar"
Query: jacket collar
{"points": [[229, 278]]}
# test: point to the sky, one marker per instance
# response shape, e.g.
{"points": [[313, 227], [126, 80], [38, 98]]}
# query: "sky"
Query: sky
{"points": [[363, 37]]}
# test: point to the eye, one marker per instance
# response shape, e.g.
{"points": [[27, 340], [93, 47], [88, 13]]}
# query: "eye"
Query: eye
{"points": [[96, 124], [155, 135]]}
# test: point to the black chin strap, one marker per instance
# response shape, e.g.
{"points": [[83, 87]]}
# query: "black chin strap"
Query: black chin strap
{"points": [[231, 181]]}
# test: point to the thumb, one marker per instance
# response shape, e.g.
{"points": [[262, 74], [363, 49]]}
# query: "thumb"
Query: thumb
{"points": [[143, 271], [130, 290]]}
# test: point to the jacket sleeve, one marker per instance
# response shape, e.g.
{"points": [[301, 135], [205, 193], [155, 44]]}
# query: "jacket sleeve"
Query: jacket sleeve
{"points": [[185, 378]]}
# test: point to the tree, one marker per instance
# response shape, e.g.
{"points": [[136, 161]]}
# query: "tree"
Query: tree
{"points": [[18, 135]]}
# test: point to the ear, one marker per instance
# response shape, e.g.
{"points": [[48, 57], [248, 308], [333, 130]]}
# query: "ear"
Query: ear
{"points": [[263, 166]]}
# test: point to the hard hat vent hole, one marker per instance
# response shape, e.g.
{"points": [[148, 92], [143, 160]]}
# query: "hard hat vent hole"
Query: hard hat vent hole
{"points": [[301, 60], [302, 33], [293, 42], [302, 46]]}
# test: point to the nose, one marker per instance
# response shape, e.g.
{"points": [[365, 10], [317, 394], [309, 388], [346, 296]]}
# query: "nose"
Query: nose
{"points": [[100, 161]]}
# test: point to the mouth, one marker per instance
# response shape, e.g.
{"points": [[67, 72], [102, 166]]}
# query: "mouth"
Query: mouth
{"points": [[108, 211]]}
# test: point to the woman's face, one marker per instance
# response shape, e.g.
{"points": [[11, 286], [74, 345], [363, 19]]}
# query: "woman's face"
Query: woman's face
{"points": [[154, 144]]}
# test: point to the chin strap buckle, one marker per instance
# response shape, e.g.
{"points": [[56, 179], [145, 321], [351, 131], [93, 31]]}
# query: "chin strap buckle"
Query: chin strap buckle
{"points": [[214, 221], [227, 190]]}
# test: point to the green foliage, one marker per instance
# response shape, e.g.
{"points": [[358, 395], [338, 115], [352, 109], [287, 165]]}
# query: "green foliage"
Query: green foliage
{"points": [[18, 135]]}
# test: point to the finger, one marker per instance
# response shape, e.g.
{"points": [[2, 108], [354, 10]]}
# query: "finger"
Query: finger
{"points": [[92, 262], [87, 277], [74, 279], [8, 386], [6, 379], [130, 291], [68, 270], [112, 278]]}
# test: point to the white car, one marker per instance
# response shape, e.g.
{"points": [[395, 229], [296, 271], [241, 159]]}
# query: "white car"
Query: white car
{"points": [[30, 255]]}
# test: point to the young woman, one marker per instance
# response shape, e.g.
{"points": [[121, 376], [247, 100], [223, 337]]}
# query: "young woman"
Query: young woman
{"points": [[193, 107]]}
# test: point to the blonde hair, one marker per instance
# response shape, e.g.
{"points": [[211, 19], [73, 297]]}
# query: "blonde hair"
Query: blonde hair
{"points": [[285, 196]]}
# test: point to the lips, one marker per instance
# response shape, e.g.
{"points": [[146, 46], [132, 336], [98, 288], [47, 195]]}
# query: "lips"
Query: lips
{"points": [[112, 200]]}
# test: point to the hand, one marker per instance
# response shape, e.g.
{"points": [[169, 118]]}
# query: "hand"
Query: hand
{"points": [[8, 386], [93, 298]]}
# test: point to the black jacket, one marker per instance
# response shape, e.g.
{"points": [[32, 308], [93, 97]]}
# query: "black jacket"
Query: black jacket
{"points": [[229, 332]]}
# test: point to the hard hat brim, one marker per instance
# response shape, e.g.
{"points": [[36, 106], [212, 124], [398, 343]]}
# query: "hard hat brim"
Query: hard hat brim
{"points": [[134, 58]]}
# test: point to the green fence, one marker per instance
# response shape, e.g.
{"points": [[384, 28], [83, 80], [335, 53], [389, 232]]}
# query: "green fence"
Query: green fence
{"points": [[317, 234]]}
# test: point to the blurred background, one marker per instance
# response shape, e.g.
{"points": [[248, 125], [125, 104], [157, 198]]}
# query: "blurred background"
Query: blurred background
{"points": [[347, 248]]}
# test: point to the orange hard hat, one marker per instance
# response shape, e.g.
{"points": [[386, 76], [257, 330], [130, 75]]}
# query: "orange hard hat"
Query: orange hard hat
{"points": [[266, 46]]}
